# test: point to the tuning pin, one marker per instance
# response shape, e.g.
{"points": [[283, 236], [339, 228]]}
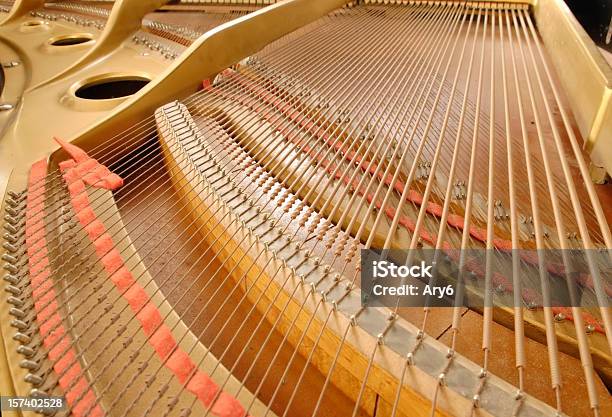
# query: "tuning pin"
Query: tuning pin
{"points": [[38, 393], [14, 301], [9, 247], [11, 279], [10, 238], [19, 324], [26, 351], [17, 312], [34, 379], [22, 338], [11, 228], [15, 195], [11, 268], [29, 364], [9, 258], [442, 379], [11, 220], [12, 211], [13, 290]]}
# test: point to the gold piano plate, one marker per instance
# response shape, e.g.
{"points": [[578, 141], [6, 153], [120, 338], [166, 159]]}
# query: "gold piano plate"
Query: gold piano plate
{"points": [[195, 245]]}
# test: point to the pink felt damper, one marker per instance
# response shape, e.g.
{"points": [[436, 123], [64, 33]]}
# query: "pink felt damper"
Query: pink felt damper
{"points": [[81, 170], [78, 393]]}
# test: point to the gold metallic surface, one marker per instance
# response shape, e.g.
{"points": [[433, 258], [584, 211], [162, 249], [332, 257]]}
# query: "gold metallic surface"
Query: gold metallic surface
{"points": [[124, 20]]}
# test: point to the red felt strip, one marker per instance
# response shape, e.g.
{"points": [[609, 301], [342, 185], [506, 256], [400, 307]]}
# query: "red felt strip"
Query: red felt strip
{"points": [[227, 406], [203, 387], [86, 170], [149, 318]]}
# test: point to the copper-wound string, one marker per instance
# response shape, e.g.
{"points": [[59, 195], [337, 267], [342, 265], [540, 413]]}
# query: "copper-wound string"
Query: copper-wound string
{"points": [[519, 328]]}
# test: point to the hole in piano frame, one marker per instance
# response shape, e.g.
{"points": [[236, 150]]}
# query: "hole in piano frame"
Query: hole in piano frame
{"points": [[111, 88], [33, 23], [71, 40], [105, 91]]}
